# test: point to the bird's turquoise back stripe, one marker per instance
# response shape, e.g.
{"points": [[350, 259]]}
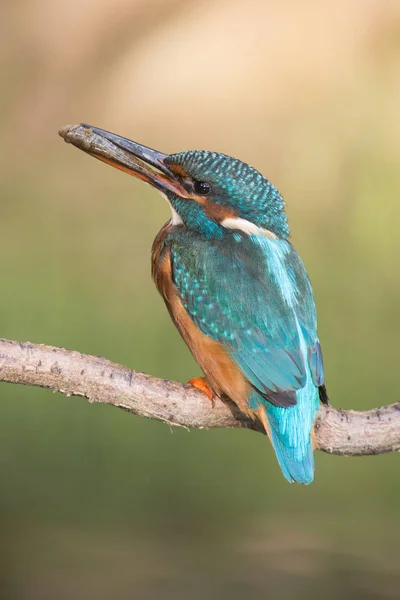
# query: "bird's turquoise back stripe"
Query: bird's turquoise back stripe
{"points": [[276, 252], [291, 427]]}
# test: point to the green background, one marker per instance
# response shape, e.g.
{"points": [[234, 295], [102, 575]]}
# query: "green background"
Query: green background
{"points": [[96, 503]]}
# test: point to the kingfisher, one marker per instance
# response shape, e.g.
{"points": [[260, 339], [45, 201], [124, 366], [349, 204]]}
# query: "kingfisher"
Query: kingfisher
{"points": [[234, 285]]}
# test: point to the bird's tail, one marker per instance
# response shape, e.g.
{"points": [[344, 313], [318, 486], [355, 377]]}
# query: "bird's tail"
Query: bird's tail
{"points": [[289, 429], [295, 468]]}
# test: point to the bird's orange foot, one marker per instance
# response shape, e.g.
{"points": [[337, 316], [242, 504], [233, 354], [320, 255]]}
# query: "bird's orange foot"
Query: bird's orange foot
{"points": [[201, 384]]}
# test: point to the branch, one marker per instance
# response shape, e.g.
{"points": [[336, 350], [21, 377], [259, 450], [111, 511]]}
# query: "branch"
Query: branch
{"points": [[344, 432]]}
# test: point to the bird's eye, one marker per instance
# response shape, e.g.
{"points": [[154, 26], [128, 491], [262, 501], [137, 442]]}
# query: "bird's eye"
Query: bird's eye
{"points": [[202, 187]]}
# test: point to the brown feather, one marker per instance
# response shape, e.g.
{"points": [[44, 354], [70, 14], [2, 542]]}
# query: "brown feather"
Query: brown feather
{"points": [[262, 415]]}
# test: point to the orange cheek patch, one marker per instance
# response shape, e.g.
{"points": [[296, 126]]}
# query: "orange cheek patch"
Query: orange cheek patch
{"points": [[177, 170], [217, 212]]}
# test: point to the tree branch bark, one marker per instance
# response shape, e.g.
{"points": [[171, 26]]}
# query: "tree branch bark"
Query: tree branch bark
{"points": [[344, 432]]}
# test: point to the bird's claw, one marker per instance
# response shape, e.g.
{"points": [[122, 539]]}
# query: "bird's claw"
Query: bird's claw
{"points": [[201, 384]]}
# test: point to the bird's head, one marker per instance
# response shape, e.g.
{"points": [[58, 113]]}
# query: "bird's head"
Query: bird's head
{"points": [[208, 192]]}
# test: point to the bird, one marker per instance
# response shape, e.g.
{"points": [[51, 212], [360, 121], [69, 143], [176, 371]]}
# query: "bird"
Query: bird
{"points": [[234, 285]]}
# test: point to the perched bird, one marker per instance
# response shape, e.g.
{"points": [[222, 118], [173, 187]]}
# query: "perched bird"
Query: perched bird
{"points": [[234, 286]]}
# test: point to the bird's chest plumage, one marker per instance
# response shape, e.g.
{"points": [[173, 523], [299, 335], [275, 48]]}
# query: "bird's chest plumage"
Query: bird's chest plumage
{"points": [[179, 264], [185, 260]]}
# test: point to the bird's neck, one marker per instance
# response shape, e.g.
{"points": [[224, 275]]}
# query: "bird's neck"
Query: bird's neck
{"points": [[195, 219]]}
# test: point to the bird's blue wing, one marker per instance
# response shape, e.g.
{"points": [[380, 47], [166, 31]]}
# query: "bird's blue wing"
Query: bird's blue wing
{"points": [[305, 313], [253, 295]]}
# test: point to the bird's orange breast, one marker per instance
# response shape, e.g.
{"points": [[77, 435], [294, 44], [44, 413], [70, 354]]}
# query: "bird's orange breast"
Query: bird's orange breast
{"points": [[222, 373]]}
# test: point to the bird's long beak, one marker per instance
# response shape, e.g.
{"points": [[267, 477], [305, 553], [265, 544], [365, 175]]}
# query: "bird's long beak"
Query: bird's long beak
{"points": [[131, 157]]}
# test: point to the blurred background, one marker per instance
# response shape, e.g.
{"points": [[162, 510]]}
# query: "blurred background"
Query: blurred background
{"points": [[96, 503]]}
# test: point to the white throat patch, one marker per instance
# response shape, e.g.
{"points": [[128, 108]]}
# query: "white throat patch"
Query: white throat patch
{"points": [[175, 219]]}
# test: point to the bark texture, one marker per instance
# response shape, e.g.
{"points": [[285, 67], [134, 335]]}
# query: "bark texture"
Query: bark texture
{"points": [[344, 432]]}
